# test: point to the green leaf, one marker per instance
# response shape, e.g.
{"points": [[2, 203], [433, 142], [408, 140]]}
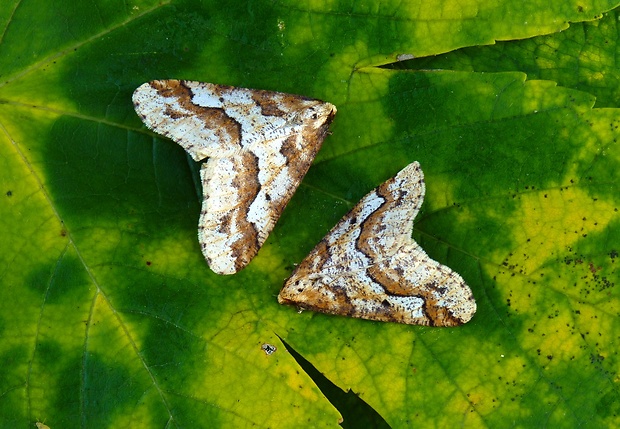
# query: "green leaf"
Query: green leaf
{"points": [[109, 316], [581, 57]]}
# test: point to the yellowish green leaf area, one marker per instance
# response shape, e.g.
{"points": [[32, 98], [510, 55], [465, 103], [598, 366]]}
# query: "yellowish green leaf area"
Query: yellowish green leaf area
{"points": [[581, 57], [109, 316], [531, 227]]}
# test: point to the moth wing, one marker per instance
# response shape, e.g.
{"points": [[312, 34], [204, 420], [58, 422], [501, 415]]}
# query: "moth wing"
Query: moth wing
{"points": [[368, 265], [210, 120]]}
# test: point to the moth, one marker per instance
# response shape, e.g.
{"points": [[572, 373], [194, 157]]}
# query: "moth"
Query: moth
{"points": [[368, 266], [258, 146]]}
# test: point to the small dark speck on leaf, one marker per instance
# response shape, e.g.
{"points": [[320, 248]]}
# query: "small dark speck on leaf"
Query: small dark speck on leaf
{"points": [[9, 193], [596, 358], [148, 263]]}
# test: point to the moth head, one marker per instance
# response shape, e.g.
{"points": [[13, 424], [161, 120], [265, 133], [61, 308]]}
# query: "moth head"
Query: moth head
{"points": [[318, 114], [296, 289]]}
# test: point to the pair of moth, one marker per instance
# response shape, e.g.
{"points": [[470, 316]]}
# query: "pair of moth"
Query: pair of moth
{"points": [[259, 146]]}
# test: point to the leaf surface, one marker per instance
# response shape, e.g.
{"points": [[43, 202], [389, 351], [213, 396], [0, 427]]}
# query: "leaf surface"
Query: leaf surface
{"points": [[109, 315]]}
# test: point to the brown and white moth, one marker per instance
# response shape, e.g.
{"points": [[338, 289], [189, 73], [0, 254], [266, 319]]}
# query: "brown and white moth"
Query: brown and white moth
{"points": [[368, 266], [259, 146]]}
